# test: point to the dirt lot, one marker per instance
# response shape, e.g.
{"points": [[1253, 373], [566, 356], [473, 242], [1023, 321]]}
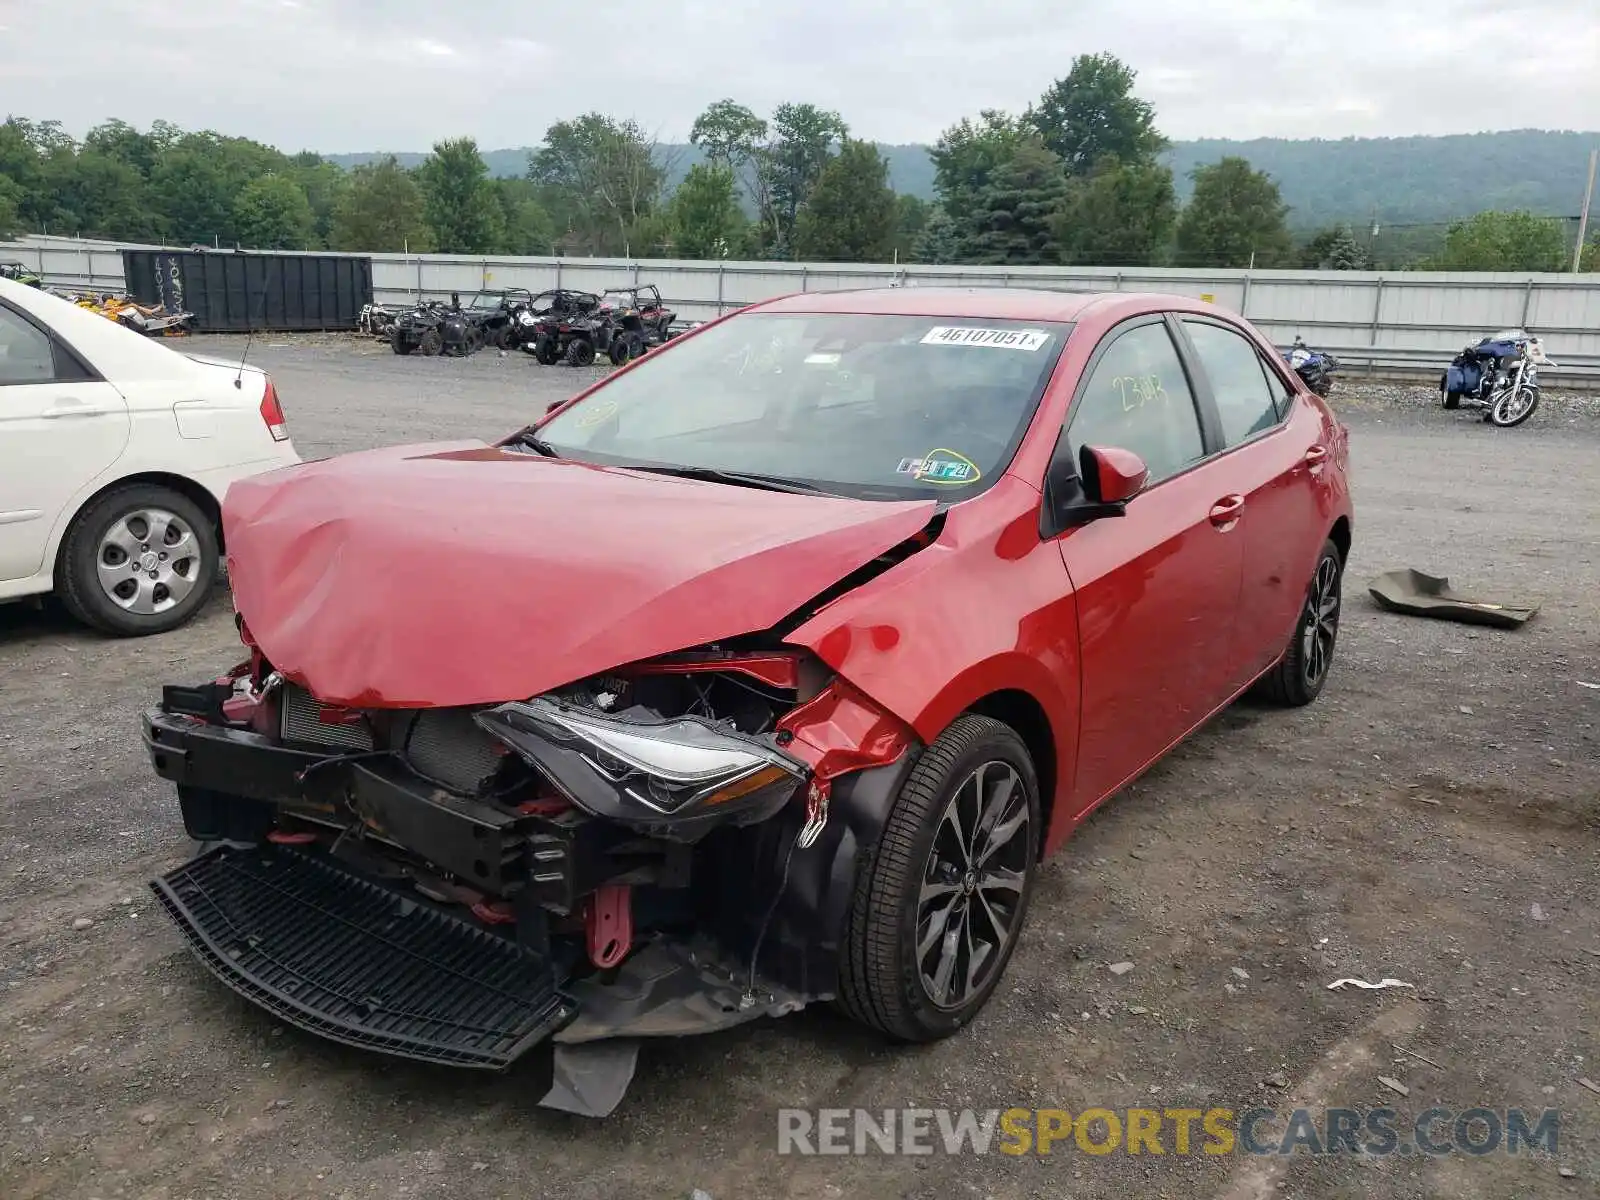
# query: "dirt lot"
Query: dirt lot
{"points": [[1436, 818]]}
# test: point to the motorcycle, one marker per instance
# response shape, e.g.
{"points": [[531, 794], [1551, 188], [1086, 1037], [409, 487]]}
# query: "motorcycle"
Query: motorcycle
{"points": [[1500, 375], [1315, 367]]}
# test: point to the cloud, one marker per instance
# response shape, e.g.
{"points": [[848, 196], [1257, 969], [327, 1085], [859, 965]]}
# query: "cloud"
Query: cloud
{"points": [[337, 75]]}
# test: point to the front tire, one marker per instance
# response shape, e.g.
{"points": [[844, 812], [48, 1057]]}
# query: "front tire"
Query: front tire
{"points": [[545, 352], [430, 343], [580, 352], [1512, 408], [939, 907], [398, 343], [140, 560], [1299, 677]]}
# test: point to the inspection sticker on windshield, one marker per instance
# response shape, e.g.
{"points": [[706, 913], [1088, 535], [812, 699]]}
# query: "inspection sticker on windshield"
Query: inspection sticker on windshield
{"points": [[940, 466], [998, 339]]}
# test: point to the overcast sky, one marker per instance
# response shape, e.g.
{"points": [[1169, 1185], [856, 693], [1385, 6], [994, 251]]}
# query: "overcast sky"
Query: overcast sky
{"points": [[343, 75]]}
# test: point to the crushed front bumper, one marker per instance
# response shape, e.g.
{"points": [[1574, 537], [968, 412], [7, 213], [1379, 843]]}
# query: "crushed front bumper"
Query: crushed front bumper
{"points": [[325, 943], [351, 960]]}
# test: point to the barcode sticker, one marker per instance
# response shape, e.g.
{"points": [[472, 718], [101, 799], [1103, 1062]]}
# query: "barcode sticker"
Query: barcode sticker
{"points": [[999, 339]]}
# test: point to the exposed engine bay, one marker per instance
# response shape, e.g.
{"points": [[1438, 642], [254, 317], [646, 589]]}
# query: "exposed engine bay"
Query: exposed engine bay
{"points": [[649, 851]]}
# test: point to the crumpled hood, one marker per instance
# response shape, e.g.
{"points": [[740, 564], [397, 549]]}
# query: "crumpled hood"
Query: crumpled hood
{"points": [[457, 573]]}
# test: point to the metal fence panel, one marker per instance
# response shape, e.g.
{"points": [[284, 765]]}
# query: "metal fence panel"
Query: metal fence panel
{"points": [[1400, 318]]}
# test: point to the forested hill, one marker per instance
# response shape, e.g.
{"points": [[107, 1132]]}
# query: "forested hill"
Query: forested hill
{"points": [[1409, 179]]}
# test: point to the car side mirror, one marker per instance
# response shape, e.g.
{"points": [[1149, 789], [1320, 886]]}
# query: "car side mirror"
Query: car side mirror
{"points": [[1095, 483], [553, 405]]}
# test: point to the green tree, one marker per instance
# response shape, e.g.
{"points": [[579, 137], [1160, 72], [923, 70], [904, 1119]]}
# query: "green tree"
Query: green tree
{"points": [[1236, 215], [528, 227], [911, 217], [600, 180], [804, 138], [458, 199], [1333, 249], [939, 241], [272, 213], [728, 132], [95, 195], [1590, 261], [850, 214], [1093, 113], [381, 209], [11, 196], [1120, 215], [706, 219], [1504, 241], [194, 194], [1014, 213]]}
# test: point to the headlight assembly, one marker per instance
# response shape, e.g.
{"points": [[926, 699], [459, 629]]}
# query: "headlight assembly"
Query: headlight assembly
{"points": [[676, 776]]}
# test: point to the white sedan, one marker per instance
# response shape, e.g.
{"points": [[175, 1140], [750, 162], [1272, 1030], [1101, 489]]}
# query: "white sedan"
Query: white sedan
{"points": [[115, 453]]}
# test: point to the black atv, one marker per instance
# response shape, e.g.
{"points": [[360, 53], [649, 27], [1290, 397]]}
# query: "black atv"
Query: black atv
{"points": [[563, 324], [622, 325], [419, 329]]}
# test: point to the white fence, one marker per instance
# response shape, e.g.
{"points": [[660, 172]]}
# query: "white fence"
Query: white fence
{"points": [[1387, 320]]}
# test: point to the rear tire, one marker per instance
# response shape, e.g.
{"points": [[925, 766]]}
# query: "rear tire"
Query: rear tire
{"points": [[1303, 670], [621, 350], [580, 352], [86, 560], [544, 351], [906, 891], [398, 343]]}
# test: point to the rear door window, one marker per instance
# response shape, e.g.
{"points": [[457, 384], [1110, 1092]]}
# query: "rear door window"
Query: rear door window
{"points": [[1246, 403]]}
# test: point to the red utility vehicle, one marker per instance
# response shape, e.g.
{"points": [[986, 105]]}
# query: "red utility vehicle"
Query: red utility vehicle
{"points": [[765, 671]]}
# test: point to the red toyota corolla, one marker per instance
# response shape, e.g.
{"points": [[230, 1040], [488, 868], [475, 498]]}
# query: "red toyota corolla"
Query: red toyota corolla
{"points": [[763, 672]]}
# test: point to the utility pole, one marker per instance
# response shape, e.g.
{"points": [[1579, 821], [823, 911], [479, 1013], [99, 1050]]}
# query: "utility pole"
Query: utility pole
{"points": [[1583, 219]]}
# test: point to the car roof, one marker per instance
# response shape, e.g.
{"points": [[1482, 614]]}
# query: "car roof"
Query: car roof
{"points": [[996, 303], [117, 352]]}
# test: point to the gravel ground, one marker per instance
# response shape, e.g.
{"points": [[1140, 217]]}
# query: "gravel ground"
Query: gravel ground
{"points": [[1435, 817]]}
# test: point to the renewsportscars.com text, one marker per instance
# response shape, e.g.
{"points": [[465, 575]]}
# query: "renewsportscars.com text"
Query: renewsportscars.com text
{"points": [[1180, 1131]]}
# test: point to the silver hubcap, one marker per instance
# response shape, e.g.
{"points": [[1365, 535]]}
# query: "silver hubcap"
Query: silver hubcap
{"points": [[1320, 623], [149, 560], [971, 900]]}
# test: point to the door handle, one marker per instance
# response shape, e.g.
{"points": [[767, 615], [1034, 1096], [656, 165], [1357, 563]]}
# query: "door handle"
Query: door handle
{"points": [[1315, 457], [71, 407], [1225, 512]]}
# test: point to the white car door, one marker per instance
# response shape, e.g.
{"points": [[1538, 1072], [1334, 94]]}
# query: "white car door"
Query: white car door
{"points": [[61, 425]]}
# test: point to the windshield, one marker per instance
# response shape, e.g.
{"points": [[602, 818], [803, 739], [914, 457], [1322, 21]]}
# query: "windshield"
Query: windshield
{"points": [[484, 300], [875, 406]]}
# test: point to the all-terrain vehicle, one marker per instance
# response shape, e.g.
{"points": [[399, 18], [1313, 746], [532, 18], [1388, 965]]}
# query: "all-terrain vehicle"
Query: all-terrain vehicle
{"points": [[419, 329], [622, 325], [21, 274]]}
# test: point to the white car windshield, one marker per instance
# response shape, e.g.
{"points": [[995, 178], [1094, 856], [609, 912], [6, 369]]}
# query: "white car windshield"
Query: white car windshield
{"points": [[866, 405]]}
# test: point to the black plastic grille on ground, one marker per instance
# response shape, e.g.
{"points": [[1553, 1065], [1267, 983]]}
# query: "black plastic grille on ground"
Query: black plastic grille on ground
{"points": [[355, 962]]}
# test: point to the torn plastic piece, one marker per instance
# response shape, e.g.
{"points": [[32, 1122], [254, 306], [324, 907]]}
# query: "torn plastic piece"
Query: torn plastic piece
{"points": [[1421, 595], [842, 730], [672, 989], [589, 1080], [283, 837], [608, 924], [1339, 984]]}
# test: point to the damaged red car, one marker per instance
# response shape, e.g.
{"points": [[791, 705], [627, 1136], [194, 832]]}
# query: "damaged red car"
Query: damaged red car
{"points": [[763, 673]]}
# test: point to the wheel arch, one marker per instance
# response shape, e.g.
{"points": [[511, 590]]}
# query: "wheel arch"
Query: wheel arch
{"points": [[1339, 535], [200, 495], [1022, 712]]}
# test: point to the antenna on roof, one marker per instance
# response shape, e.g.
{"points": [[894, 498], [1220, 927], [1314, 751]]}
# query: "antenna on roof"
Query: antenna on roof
{"points": [[238, 380]]}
